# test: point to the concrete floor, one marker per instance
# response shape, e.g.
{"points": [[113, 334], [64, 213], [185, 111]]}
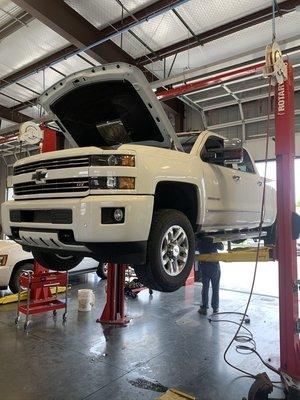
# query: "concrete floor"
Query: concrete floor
{"points": [[167, 344]]}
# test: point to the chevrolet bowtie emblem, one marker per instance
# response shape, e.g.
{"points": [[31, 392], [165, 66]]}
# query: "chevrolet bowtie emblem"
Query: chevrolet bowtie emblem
{"points": [[40, 176]]}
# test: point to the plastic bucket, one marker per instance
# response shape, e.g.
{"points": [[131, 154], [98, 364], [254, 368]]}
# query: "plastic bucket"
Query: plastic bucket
{"points": [[86, 299]]}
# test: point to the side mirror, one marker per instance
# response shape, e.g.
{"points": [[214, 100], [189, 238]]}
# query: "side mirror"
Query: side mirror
{"points": [[233, 156], [232, 152]]}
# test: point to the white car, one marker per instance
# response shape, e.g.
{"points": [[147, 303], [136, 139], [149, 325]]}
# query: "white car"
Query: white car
{"points": [[13, 260], [131, 191]]}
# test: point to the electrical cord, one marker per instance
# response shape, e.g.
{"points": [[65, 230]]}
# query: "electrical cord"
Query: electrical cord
{"points": [[247, 336]]}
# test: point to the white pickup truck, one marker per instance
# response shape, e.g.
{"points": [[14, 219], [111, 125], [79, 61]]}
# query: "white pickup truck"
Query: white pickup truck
{"points": [[131, 191]]}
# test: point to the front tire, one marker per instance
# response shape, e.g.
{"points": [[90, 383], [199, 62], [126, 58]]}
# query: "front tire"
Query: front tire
{"points": [[170, 252], [57, 262], [14, 283]]}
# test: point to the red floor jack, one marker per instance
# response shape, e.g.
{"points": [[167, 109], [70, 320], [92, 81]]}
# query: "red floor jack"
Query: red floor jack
{"points": [[40, 299], [132, 285]]}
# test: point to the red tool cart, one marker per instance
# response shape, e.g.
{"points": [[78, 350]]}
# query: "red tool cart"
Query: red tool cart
{"points": [[38, 284]]}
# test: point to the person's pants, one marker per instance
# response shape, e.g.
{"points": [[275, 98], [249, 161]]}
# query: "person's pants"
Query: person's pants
{"points": [[198, 274], [210, 274]]}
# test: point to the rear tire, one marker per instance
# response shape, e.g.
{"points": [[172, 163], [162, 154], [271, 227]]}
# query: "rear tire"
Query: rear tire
{"points": [[14, 283], [57, 262], [170, 252], [102, 270], [270, 238]]}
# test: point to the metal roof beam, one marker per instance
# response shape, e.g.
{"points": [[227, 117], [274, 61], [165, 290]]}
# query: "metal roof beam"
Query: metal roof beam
{"points": [[39, 9], [65, 21], [36, 66], [25, 104], [220, 31], [12, 115], [21, 19], [230, 63], [158, 6]]}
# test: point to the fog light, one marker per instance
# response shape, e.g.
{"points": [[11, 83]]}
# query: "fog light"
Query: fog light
{"points": [[118, 214], [112, 215]]}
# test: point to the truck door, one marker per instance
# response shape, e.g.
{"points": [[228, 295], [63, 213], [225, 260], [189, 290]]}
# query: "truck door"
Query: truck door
{"points": [[247, 190], [233, 192], [219, 187]]}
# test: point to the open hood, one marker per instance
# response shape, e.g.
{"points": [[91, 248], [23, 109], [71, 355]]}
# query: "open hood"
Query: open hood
{"points": [[108, 106]]}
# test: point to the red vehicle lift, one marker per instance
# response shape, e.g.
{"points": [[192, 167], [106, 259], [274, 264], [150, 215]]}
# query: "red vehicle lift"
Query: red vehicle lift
{"points": [[286, 217], [114, 309], [40, 281], [287, 220]]}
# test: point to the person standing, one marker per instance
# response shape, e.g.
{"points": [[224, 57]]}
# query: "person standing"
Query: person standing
{"points": [[210, 274]]}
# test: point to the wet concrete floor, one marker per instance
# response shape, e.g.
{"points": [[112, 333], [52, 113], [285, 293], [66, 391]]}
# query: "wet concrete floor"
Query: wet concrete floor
{"points": [[166, 345]]}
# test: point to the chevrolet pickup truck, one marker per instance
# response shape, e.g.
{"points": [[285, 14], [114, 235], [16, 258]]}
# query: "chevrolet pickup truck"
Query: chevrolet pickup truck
{"points": [[130, 190]]}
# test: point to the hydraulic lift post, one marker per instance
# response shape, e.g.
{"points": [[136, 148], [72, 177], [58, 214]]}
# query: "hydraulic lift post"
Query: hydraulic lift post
{"points": [[114, 309], [286, 243]]}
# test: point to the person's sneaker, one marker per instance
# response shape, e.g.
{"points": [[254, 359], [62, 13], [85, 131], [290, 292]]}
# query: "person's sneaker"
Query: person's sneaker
{"points": [[215, 311], [202, 311]]}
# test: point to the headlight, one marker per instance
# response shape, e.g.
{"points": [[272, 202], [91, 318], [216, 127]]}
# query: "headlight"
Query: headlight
{"points": [[3, 260], [113, 160], [112, 182]]}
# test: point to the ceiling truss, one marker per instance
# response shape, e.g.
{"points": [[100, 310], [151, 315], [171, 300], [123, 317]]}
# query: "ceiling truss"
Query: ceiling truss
{"points": [[234, 26]]}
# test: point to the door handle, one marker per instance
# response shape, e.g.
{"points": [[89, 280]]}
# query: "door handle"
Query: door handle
{"points": [[236, 178], [259, 183]]}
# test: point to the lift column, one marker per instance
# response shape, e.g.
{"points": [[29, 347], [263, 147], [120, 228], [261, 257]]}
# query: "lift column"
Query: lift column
{"points": [[114, 310], [286, 244]]}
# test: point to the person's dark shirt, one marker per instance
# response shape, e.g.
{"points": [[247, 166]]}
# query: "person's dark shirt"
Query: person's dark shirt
{"points": [[206, 245]]}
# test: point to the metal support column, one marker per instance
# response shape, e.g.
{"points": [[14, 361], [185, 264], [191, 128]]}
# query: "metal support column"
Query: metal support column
{"points": [[286, 245], [114, 310]]}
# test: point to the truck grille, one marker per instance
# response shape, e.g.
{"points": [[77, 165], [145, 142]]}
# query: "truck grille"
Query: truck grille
{"points": [[71, 185], [71, 162], [51, 216]]}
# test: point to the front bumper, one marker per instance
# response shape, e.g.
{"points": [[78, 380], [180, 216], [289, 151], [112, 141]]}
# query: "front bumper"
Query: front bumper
{"points": [[86, 226]]}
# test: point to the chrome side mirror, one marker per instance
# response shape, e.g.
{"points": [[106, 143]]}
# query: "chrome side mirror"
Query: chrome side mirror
{"points": [[231, 152]]}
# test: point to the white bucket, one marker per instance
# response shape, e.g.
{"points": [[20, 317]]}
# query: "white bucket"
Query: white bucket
{"points": [[86, 299]]}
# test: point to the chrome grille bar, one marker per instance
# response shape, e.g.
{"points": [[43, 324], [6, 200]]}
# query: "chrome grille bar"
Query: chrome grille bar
{"points": [[71, 162], [52, 186]]}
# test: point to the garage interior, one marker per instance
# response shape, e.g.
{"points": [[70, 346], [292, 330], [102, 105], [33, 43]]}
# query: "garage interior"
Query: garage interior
{"points": [[206, 63]]}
